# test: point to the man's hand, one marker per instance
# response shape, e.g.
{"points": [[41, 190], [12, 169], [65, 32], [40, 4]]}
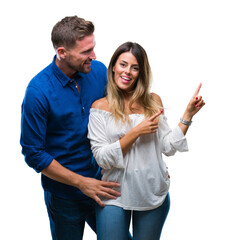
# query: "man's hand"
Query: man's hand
{"points": [[89, 186], [94, 189]]}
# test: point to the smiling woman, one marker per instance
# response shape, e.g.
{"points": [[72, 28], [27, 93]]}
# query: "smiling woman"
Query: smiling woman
{"points": [[129, 134], [126, 71], [129, 80]]}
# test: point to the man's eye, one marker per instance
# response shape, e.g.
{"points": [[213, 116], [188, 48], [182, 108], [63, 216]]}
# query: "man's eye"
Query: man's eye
{"points": [[87, 52]]}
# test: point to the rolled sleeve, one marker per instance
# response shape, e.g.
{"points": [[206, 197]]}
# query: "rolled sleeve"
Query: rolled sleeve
{"points": [[171, 140], [33, 129], [107, 155]]}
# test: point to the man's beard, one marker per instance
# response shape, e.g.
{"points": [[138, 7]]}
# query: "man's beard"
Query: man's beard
{"points": [[80, 68]]}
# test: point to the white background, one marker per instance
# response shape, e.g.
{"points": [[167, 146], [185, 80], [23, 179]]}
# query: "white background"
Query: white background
{"points": [[185, 42]]}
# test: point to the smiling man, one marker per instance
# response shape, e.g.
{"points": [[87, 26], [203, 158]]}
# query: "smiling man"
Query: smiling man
{"points": [[55, 113]]}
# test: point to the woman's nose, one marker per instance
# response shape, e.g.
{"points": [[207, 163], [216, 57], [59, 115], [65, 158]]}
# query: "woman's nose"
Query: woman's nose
{"points": [[127, 70]]}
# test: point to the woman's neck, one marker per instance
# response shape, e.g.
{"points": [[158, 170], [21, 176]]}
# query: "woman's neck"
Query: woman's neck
{"points": [[136, 107]]}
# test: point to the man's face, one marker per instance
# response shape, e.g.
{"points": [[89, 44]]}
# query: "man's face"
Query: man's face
{"points": [[78, 59]]}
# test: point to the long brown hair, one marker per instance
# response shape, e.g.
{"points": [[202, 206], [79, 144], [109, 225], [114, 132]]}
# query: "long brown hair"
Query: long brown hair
{"points": [[141, 92]]}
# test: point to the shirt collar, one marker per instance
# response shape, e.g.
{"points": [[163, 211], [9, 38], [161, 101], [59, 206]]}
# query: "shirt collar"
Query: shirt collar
{"points": [[60, 75]]}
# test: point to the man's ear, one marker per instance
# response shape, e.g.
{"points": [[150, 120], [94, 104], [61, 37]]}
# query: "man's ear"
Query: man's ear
{"points": [[61, 53]]}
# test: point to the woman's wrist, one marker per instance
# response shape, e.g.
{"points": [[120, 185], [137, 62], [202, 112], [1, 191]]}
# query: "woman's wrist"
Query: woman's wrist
{"points": [[185, 122], [134, 133], [187, 116]]}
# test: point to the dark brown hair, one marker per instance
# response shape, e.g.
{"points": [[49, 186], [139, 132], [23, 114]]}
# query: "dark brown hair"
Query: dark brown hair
{"points": [[70, 29]]}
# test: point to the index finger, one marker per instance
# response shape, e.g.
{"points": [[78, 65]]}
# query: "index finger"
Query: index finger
{"points": [[197, 90], [155, 116], [110, 184]]}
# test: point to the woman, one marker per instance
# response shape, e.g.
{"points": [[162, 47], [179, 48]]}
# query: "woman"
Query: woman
{"points": [[128, 134]]}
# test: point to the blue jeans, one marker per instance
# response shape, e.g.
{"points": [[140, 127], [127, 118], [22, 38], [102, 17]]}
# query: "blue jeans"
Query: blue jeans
{"points": [[67, 217], [113, 222]]}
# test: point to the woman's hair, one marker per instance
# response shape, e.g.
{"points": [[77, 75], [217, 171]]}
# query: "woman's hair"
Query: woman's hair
{"points": [[141, 91], [66, 32]]}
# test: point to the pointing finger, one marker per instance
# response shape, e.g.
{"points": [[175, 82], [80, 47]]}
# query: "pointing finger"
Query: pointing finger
{"points": [[155, 116], [197, 90]]}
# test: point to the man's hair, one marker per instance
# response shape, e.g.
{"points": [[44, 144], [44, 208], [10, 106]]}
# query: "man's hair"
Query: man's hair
{"points": [[70, 29]]}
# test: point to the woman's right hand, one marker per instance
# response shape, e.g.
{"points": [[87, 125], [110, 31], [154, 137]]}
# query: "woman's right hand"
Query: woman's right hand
{"points": [[148, 126]]}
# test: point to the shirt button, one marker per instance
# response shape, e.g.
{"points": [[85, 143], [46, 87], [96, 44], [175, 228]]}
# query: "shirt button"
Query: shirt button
{"points": [[71, 81]]}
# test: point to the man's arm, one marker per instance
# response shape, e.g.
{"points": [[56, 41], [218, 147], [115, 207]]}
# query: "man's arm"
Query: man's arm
{"points": [[89, 186], [33, 135]]}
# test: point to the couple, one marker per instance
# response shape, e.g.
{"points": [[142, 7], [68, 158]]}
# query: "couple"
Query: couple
{"points": [[68, 124]]}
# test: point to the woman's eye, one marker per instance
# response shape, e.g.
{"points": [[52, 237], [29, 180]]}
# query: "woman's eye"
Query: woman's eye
{"points": [[122, 64], [136, 69]]}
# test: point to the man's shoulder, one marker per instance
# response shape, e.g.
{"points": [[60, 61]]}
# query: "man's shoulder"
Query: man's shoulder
{"points": [[41, 78], [98, 66], [98, 73]]}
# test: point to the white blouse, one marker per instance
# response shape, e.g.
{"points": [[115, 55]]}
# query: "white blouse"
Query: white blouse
{"points": [[142, 173]]}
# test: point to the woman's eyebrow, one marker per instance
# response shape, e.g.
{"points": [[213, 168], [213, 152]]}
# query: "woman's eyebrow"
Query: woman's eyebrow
{"points": [[127, 62]]}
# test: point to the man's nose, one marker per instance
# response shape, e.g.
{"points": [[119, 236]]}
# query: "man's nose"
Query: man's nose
{"points": [[92, 55]]}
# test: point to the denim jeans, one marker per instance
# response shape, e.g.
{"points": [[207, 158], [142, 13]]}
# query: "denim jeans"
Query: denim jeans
{"points": [[113, 222], [67, 217]]}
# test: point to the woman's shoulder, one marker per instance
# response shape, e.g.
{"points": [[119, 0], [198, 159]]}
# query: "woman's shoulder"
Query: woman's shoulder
{"points": [[101, 104], [157, 98]]}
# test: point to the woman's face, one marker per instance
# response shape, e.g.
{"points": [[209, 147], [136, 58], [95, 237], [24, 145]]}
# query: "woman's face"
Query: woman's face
{"points": [[126, 71]]}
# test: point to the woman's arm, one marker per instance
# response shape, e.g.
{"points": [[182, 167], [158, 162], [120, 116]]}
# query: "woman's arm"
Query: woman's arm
{"points": [[147, 126], [196, 103], [107, 154], [172, 141]]}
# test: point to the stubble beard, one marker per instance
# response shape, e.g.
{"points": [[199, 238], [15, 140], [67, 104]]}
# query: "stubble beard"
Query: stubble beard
{"points": [[81, 68]]}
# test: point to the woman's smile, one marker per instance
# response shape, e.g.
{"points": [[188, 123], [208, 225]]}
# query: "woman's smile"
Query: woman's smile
{"points": [[125, 79], [126, 71]]}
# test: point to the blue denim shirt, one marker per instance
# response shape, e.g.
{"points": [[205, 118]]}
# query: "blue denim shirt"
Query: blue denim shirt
{"points": [[54, 123]]}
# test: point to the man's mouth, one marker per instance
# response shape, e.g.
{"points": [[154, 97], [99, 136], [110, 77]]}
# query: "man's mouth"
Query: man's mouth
{"points": [[88, 63]]}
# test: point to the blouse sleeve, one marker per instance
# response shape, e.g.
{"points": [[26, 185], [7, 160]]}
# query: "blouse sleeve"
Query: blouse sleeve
{"points": [[171, 140], [107, 155]]}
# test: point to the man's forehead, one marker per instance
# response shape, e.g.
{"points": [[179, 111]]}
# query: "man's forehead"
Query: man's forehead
{"points": [[86, 42]]}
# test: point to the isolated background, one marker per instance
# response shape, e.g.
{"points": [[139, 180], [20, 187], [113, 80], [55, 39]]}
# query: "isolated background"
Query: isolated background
{"points": [[185, 42]]}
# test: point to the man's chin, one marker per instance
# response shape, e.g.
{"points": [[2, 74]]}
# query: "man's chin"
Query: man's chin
{"points": [[86, 70]]}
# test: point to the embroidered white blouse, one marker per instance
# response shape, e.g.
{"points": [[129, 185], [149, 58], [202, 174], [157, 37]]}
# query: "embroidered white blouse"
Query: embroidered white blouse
{"points": [[142, 173]]}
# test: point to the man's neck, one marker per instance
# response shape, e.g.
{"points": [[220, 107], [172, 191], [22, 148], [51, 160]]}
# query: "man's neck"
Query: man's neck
{"points": [[67, 71]]}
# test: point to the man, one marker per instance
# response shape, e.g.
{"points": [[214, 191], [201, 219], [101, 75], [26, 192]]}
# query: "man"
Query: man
{"points": [[55, 114]]}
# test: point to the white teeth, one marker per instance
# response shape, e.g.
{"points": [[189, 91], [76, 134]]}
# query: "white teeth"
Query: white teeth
{"points": [[128, 79]]}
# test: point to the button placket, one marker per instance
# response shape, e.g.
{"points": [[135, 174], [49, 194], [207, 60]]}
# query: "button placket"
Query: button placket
{"points": [[75, 84]]}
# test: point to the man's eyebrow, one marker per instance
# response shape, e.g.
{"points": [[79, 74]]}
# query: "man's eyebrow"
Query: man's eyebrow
{"points": [[88, 50]]}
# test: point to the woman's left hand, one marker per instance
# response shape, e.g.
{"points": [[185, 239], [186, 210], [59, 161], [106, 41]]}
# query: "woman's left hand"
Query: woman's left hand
{"points": [[196, 103]]}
